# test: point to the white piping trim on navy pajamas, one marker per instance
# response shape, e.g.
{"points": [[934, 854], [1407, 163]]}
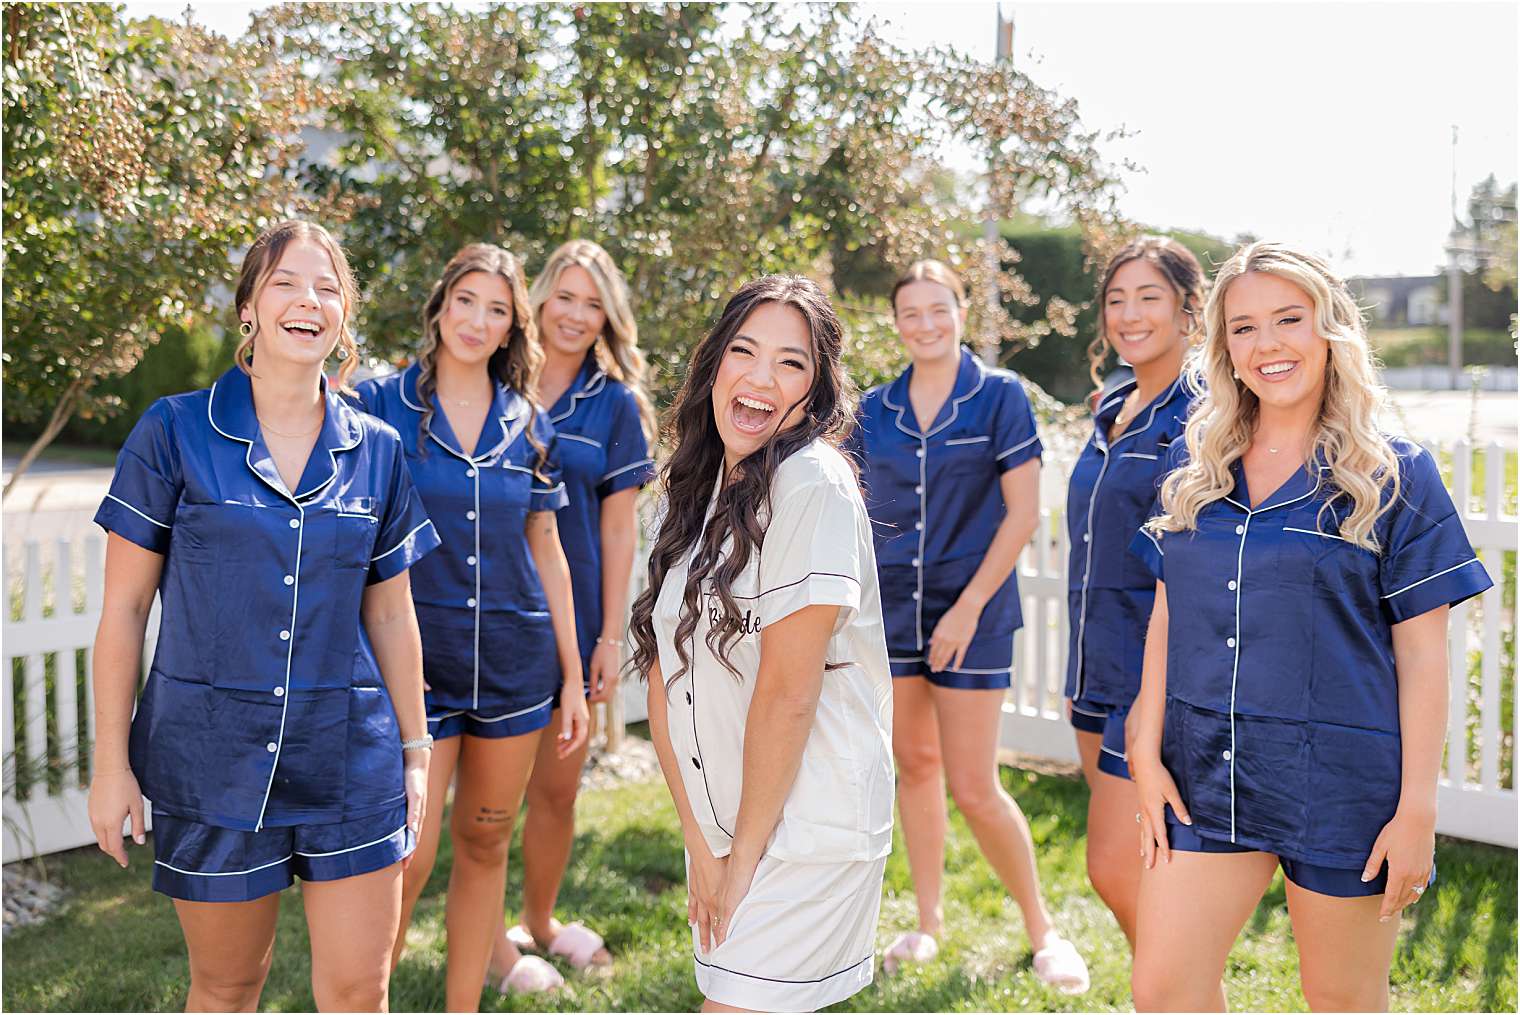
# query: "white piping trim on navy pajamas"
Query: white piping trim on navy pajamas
{"points": [[1086, 711], [1422, 581], [1245, 530], [1105, 447], [923, 487], [409, 535], [968, 440], [1109, 750], [577, 437], [350, 849], [1017, 447], [1154, 541], [1139, 454], [474, 475], [1240, 555], [513, 715], [129, 507], [594, 385], [295, 597], [617, 472], [223, 874], [1092, 501], [1315, 532]]}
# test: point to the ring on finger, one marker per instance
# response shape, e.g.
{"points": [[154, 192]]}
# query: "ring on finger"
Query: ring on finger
{"points": [[1137, 817]]}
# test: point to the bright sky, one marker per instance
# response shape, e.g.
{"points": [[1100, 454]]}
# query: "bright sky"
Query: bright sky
{"points": [[1323, 124]]}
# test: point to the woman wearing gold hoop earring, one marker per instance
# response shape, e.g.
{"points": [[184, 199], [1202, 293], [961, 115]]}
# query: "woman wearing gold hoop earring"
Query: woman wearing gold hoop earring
{"points": [[277, 527]]}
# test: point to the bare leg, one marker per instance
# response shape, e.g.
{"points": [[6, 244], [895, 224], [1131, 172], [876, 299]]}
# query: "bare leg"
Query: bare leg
{"points": [[353, 923], [920, 794], [493, 773], [230, 945], [1191, 911], [1113, 856], [1343, 952], [969, 726], [415, 877], [548, 834], [710, 1005]]}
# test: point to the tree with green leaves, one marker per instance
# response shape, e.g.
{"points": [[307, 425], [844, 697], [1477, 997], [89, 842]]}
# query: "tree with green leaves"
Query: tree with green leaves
{"points": [[701, 143], [139, 156]]}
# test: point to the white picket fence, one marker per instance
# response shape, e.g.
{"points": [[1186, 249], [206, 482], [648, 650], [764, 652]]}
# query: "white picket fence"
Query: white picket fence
{"points": [[46, 722]]}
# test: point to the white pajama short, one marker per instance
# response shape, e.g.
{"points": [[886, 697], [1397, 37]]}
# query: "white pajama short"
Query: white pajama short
{"points": [[803, 937]]}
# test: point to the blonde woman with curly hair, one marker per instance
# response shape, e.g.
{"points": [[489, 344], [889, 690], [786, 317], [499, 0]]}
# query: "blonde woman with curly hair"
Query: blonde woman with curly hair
{"points": [[592, 385], [498, 624], [1293, 713]]}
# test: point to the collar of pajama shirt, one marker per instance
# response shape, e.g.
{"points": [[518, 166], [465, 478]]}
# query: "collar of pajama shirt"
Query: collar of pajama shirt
{"points": [[933, 495], [1282, 716], [1110, 592], [602, 450], [262, 673], [487, 639], [817, 550]]}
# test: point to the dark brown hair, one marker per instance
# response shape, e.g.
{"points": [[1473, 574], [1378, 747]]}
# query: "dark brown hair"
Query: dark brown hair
{"points": [[697, 455], [261, 261], [1174, 261], [516, 363]]}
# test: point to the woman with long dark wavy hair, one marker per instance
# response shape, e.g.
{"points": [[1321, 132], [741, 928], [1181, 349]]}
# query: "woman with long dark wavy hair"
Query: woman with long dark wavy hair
{"points": [[761, 637], [1151, 307], [498, 625]]}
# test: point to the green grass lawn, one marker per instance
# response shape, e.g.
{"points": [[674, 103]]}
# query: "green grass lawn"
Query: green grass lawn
{"points": [[116, 946]]}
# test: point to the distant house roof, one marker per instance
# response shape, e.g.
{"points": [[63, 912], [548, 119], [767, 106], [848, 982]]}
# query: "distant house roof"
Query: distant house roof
{"points": [[1387, 297]]}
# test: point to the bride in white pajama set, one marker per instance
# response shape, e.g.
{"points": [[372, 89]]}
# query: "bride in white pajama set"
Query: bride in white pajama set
{"points": [[774, 729]]}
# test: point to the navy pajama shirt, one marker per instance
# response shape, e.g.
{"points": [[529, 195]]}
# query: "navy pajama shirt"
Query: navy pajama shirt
{"points": [[265, 736], [488, 649], [1110, 592], [602, 451], [1282, 705], [935, 505]]}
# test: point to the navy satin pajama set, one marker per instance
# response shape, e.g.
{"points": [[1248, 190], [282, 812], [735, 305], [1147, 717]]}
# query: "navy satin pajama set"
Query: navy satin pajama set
{"points": [[265, 737], [1109, 591], [935, 505], [489, 654], [1282, 699], [602, 451]]}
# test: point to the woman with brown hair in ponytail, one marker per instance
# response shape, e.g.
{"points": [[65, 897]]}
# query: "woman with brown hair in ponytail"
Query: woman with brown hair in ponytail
{"points": [[498, 645], [1150, 301], [280, 734]]}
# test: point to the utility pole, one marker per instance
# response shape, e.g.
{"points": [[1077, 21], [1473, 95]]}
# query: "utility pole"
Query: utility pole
{"points": [[1454, 248], [989, 340]]}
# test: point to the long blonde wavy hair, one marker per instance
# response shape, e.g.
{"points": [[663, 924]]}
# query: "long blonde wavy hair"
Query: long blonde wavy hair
{"points": [[516, 363], [261, 261], [1361, 463], [617, 351]]}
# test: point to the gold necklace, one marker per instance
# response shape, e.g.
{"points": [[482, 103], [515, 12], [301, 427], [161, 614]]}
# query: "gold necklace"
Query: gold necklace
{"points": [[269, 429]]}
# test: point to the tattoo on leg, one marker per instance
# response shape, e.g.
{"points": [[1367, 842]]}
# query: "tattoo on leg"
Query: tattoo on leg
{"points": [[495, 815]]}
